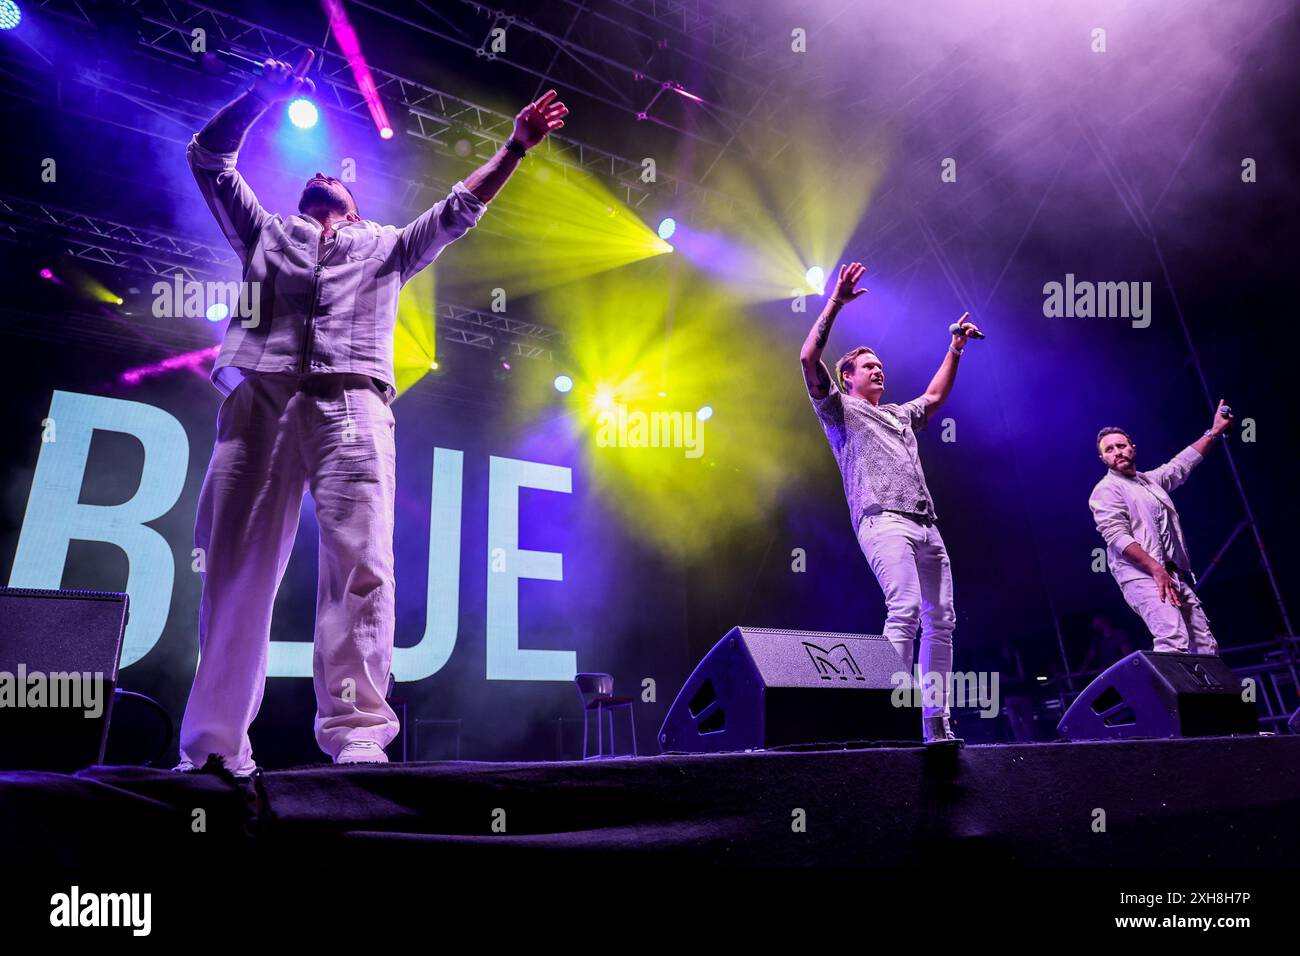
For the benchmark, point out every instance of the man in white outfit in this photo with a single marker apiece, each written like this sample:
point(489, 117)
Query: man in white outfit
point(308, 387)
point(1144, 538)
point(892, 511)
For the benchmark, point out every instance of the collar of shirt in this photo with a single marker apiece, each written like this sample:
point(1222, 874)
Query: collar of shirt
point(325, 237)
point(880, 411)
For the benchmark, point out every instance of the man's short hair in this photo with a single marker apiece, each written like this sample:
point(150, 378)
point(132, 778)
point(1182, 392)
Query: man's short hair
point(1111, 430)
point(846, 363)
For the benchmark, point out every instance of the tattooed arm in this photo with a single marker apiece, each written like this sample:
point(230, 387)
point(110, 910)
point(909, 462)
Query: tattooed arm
point(815, 375)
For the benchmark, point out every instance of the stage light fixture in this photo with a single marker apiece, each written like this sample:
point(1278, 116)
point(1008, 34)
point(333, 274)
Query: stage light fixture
point(705, 413)
point(47, 274)
point(667, 226)
point(563, 383)
point(433, 366)
point(303, 113)
point(10, 15)
point(386, 133)
point(816, 279)
point(218, 311)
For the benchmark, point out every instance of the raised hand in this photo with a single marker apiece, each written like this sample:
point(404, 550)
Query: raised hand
point(847, 279)
point(964, 329)
point(539, 119)
point(1222, 418)
point(280, 81)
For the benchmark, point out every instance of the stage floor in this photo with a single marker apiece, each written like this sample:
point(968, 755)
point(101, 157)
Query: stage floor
point(1221, 802)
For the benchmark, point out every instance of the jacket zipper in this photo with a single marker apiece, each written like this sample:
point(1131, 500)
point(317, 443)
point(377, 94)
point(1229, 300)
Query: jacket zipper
point(311, 313)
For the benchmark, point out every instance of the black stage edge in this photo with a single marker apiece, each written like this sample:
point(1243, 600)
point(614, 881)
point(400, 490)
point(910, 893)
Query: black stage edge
point(973, 824)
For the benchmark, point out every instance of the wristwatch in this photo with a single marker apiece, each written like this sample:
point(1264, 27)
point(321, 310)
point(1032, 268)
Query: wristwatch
point(517, 148)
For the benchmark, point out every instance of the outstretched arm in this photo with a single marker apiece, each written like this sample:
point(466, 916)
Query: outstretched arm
point(225, 132)
point(448, 219)
point(941, 385)
point(815, 375)
point(213, 152)
point(1175, 471)
point(1222, 422)
point(533, 124)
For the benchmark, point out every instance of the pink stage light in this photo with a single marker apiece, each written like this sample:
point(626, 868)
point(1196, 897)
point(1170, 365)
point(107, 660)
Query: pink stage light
point(187, 360)
point(679, 89)
point(350, 46)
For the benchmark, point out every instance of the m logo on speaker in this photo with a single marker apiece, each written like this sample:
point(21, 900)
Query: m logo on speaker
point(836, 662)
point(1202, 677)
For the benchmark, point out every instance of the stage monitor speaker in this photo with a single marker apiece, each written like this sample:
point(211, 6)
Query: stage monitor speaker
point(1148, 694)
point(759, 688)
point(51, 716)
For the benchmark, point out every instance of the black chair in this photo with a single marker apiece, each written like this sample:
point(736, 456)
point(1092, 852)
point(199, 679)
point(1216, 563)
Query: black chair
point(597, 694)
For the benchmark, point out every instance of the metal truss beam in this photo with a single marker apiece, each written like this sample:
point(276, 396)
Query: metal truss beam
point(161, 255)
point(167, 27)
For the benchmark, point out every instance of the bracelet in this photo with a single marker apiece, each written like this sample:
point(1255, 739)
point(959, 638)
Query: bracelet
point(1209, 433)
point(516, 148)
point(955, 351)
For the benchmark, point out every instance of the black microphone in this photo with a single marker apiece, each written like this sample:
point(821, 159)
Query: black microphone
point(955, 329)
point(245, 64)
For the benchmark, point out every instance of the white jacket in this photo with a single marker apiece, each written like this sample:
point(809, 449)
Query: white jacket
point(1125, 512)
point(319, 312)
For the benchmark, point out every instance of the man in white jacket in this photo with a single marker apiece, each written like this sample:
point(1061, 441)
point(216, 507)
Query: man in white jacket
point(308, 388)
point(1144, 539)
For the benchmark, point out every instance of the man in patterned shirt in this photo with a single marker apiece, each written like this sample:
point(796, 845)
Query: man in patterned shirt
point(889, 503)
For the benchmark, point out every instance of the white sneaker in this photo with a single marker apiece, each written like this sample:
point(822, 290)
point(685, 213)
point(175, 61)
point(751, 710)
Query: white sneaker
point(937, 731)
point(361, 751)
point(187, 766)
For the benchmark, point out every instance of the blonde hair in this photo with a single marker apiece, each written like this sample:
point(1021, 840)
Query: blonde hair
point(846, 363)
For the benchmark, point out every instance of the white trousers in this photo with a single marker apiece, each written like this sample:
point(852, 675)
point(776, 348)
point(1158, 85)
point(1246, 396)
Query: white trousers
point(1178, 630)
point(280, 435)
point(911, 564)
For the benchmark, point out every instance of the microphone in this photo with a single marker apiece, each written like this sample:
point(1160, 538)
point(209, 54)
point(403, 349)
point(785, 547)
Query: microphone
point(1225, 411)
point(955, 329)
point(245, 64)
